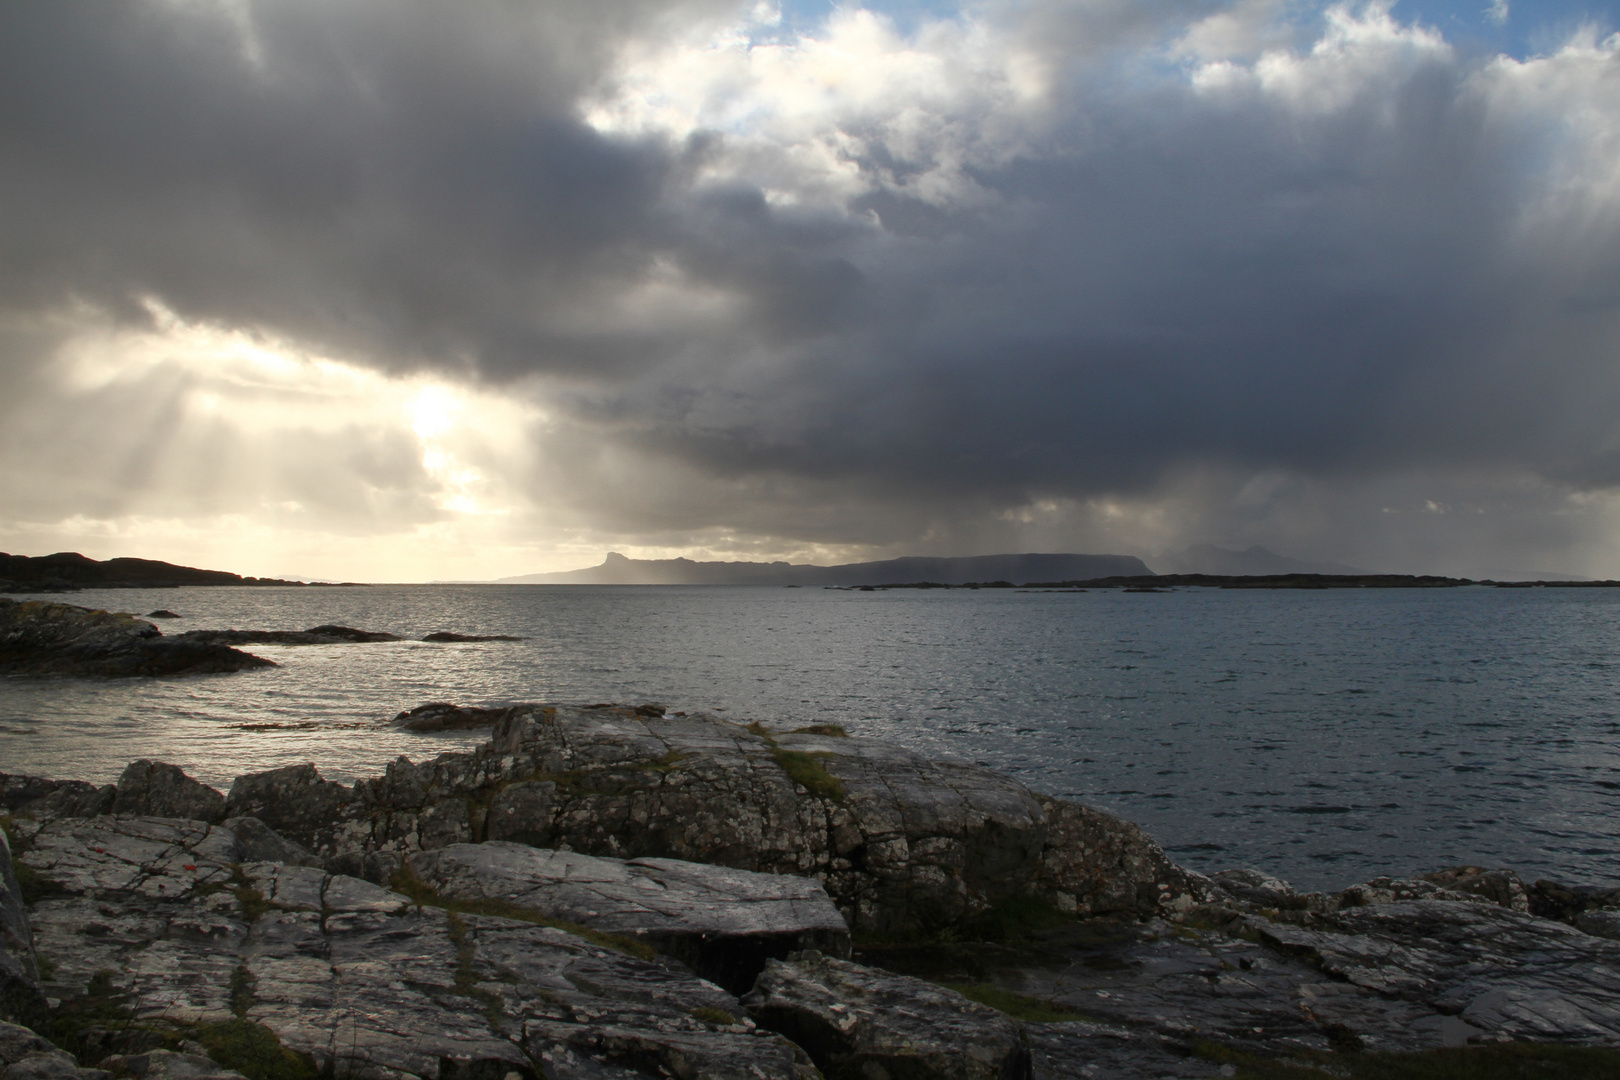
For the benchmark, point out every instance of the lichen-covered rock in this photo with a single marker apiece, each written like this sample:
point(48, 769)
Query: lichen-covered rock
point(42, 638)
point(358, 978)
point(158, 789)
point(724, 923)
point(857, 1022)
point(902, 844)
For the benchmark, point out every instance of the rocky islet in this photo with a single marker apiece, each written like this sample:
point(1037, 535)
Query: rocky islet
point(617, 892)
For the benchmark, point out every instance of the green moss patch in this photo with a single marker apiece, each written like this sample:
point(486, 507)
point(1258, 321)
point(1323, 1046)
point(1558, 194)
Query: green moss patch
point(1017, 1006)
point(806, 770)
point(253, 1050)
point(1501, 1061)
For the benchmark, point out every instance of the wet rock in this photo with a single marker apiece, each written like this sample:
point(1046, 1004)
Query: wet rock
point(358, 978)
point(261, 843)
point(325, 634)
point(41, 638)
point(1503, 888)
point(857, 1022)
point(1601, 923)
point(157, 789)
point(41, 799)
point(161, 613)
point(902, 844)
point(20, 998)
point(447, 636)
point(444, 716)
point(723, 923)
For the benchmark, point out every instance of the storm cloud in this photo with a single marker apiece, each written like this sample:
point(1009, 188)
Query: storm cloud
point(1068, 276)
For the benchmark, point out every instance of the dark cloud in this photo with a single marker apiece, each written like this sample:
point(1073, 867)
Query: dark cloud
point(1363, 264)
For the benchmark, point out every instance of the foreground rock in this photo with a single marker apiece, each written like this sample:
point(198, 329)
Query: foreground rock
point(723, 923)
point(902, 844)
point(159, 922)
point(41, 638)
point(858, 1023)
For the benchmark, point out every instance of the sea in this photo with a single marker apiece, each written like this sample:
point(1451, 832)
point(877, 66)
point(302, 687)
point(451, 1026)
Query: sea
point(1325, 737)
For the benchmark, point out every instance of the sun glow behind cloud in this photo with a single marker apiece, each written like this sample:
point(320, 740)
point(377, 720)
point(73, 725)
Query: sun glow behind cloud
point(495, 291)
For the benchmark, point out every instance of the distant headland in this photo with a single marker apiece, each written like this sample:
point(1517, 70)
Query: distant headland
point(616, 569)
point(68, 571)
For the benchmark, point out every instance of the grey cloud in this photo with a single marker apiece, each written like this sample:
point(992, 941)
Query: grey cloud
point(1158, 284)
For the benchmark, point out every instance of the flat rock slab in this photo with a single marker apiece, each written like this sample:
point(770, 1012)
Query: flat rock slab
point(359, 978)
point(723, 922)
point(858, 1022)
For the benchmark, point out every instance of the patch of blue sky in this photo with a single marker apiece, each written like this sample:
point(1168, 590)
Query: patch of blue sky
point(1519, 28)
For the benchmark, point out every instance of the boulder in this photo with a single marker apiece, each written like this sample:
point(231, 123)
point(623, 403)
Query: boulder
point(359, 979)
point(903, 844)
point(723, 923)
point(261, 843)
point(157, 789)
point(42, 638)
point(857, 1022)
point(41, 799)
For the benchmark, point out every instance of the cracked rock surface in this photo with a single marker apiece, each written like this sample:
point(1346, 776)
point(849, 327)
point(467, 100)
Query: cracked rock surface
point(724, 923)
point(354, 975)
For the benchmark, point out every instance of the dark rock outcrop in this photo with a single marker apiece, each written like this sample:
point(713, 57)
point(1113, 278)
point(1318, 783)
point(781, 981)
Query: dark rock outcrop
point(20, 998)
point(856, 1022)
point(325, 634)
point(903, 844)
point(448, 636)
point(41, 638)
point(444, 716)
point(157, 789)
point(723, 923)
point(261, 843)
point(44, 799)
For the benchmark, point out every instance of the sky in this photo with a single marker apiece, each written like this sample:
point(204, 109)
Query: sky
point(381, 292)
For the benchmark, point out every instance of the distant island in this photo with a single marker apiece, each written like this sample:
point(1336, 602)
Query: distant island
point(68, 571)
point(616, 569)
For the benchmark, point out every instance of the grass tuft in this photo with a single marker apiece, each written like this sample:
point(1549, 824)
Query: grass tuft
point(253, 1050)
point(835, 731)
point(709, 1014)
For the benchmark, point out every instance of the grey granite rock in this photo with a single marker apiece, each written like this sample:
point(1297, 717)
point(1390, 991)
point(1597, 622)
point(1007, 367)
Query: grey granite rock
point(724, 923)
point(901, 843)
point(158, 789)
point(20, 998)
point(261, 843)
point(858, 1022)
point(358, 978)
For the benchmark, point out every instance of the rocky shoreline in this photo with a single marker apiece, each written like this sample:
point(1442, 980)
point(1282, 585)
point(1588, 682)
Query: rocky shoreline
point(617, 892)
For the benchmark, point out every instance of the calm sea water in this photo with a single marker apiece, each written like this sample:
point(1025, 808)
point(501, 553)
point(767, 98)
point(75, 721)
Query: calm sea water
point(1323, 736)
